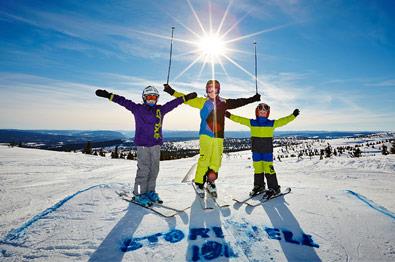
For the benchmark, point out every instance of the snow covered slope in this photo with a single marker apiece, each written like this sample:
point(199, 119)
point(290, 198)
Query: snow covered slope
point(62, 206)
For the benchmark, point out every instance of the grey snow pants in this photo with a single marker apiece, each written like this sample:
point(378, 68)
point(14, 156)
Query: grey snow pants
point(148, 159)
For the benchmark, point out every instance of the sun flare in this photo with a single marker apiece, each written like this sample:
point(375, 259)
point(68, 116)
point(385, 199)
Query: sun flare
point(211, 47)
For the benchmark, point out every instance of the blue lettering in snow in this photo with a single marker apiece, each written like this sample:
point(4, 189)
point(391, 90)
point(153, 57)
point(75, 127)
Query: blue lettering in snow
point(131, 244)
point(195, 232)
point(308, 241)
point(288, 237)
point(275, 233)
point(211, 249)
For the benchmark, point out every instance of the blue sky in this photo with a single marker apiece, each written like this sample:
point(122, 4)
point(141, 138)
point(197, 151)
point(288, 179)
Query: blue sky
point(334, 60)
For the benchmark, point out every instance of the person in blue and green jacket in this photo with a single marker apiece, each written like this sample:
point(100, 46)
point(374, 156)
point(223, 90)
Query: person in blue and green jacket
point(211, 133)
point(148, 138)
point(262, 131)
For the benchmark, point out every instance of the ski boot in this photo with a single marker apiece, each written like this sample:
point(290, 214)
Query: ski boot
point(142, 200)
point(199, 190)
point(257, 190)
point(212, 189)
point(272, 192)
point(154, 197)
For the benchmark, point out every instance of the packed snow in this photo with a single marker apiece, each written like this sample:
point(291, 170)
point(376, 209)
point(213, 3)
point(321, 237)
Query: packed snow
point(58, 206)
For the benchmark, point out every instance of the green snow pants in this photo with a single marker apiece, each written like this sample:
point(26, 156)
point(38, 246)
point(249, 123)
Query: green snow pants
point(211, 149)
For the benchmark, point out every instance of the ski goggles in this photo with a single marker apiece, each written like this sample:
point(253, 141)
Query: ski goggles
point(151, 97)
point(263, 107)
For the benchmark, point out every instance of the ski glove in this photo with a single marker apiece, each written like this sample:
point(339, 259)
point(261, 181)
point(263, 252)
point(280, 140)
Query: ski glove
point(168, 89)
point(296, 112)
point(189, 96)
point(227, 114)
point(103, 93)
point(256, 98)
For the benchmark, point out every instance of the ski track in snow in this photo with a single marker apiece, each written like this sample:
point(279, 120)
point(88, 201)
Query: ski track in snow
point(18, 232)
point(371, 204)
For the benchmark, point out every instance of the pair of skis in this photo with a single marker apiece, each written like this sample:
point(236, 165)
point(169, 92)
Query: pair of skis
point(261, 198)
point(210, 200)
point(158, 208)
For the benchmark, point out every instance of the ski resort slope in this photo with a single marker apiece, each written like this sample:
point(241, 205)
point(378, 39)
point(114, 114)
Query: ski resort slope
point(58, 206)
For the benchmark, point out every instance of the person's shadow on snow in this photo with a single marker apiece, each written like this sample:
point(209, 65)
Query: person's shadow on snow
point(295, 243)
point(112, 247)
point(205, 239)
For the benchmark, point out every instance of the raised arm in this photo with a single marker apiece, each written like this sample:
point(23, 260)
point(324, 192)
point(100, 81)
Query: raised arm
point(238, 119)
point(285, 120)
point(128, 104)
point(196, 102)
point(176, 102)
point(239, 102)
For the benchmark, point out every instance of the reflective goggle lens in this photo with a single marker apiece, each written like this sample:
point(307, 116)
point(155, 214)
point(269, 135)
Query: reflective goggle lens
point(151, 97)
point(264, 107)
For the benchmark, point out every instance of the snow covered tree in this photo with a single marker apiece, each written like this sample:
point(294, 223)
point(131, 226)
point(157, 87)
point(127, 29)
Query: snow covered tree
point(88, 148)
point(101, 153)
point(384, 150)
point(322, 154)
point(339, 150)
point(130, 156)
point(115, 153)
point(328, 151)
point(300, 155)
point(393, 147)
point(357, 152)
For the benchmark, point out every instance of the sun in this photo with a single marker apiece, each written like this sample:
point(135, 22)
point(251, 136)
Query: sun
point(211, 47)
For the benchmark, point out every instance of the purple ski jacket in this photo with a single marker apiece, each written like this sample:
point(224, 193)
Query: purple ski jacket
point(148, 119)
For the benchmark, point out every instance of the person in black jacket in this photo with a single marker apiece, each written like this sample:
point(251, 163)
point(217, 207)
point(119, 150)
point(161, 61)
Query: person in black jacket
point(211, 134)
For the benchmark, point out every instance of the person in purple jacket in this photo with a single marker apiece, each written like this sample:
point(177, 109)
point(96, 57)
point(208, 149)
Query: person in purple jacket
point(148, 138)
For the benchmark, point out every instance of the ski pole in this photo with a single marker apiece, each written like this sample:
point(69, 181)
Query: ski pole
point(256, 70)
point(171, 52)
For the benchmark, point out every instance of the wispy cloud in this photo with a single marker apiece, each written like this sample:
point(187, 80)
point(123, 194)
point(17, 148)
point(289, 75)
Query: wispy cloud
point(27, 89)
point(30, 101)
point(383, 83)
point(92, 33)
